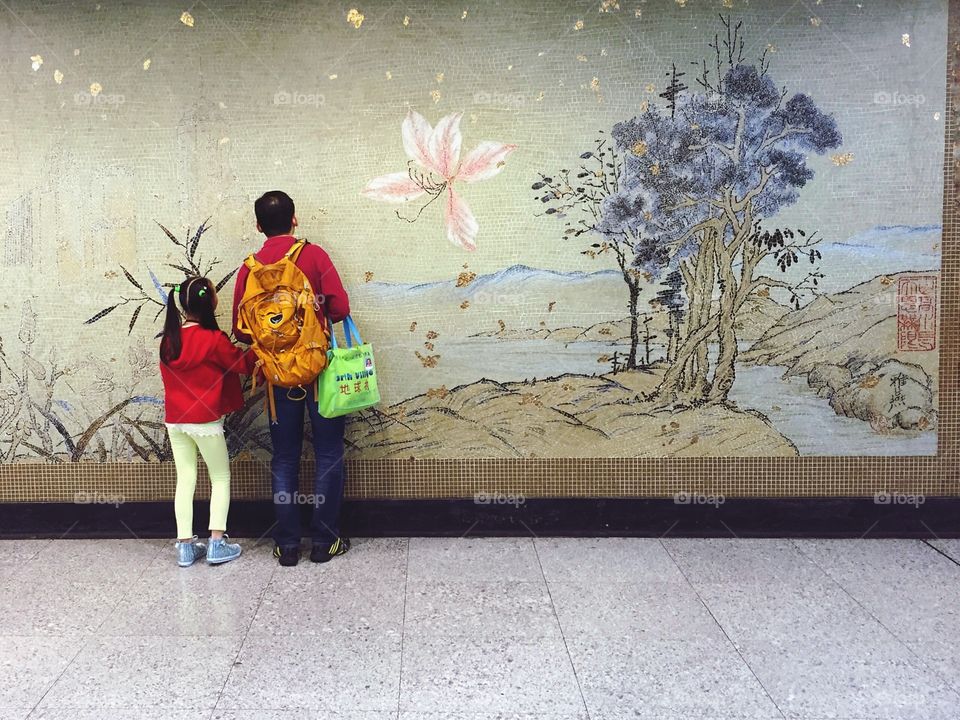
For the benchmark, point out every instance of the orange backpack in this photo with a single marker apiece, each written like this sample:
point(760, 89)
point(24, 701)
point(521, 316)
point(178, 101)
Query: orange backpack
point(277, 311)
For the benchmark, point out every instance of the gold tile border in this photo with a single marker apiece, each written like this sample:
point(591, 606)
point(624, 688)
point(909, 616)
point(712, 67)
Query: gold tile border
point(583, 477)
point(598, 477)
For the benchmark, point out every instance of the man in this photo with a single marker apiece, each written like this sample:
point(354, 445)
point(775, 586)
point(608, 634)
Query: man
point(277, 219)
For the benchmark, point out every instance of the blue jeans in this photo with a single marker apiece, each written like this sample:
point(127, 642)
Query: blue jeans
point(327, 496)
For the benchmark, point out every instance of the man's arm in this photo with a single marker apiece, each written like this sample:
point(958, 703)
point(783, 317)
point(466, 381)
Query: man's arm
point(238, 291)
point(326, 281)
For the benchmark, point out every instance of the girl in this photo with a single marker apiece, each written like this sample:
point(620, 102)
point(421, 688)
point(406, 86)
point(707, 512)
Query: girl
point(199, 366)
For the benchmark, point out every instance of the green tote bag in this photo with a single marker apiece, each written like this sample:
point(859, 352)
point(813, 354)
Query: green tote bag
point(349, 382)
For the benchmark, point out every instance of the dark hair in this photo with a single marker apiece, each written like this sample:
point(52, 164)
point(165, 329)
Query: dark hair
point(196, 299)
point(274, 212)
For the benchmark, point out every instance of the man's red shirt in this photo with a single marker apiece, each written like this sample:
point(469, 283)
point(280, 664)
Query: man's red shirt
point(314, 262)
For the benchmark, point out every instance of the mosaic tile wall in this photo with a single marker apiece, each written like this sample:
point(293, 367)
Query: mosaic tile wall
point(601, 249)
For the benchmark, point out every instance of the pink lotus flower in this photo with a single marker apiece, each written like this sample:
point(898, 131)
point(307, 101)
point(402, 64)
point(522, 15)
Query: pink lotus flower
point(433, 168)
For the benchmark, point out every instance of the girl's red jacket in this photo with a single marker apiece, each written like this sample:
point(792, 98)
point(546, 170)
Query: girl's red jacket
point(203, 384)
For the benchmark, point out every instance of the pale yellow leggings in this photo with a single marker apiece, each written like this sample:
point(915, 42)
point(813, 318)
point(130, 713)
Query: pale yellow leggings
point(213, 448)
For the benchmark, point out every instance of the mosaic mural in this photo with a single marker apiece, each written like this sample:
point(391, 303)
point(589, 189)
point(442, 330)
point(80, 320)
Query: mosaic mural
point(648, 229)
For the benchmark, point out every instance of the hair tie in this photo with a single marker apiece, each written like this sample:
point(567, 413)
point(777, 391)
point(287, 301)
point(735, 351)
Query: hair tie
point(202, 291)
point(176, 289)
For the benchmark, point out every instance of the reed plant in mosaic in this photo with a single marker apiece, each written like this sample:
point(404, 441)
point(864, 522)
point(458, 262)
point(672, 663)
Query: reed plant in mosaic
point(36, 422)
point(190, 264)
point(145, 435)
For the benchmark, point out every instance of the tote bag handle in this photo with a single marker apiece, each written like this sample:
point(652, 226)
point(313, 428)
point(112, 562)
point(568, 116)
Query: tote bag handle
point(349, 328)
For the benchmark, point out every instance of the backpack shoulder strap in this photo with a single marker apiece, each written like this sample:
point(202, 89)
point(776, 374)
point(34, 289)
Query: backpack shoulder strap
point(294, 252)
point(251, 262)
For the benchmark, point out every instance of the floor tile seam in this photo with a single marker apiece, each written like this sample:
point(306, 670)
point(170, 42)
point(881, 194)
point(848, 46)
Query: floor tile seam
point(724, 631)
point(243, 640)
point(403, 625)
point(89, 638)
point(904, 644)
point(563, 638)
point(947, 555)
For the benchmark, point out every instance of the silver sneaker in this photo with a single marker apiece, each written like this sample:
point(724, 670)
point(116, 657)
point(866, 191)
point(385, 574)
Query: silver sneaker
point(222, 551)
point(189, 552)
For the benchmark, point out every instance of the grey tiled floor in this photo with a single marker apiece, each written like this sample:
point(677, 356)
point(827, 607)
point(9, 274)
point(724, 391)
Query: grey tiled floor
point(478, 629)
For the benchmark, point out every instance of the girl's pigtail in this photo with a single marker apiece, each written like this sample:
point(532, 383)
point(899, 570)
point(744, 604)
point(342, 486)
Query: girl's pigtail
point(171, 345)
point(202, 306)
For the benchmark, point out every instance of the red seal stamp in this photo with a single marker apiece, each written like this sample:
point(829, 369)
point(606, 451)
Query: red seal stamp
point(917, 313)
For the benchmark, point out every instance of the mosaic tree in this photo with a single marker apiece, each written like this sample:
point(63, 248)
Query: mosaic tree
point(578, 197)
point(670, 299)
point(698, 179)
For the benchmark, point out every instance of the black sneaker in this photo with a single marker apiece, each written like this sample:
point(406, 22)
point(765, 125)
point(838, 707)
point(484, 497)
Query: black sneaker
point(326, 553)
point(288, 556)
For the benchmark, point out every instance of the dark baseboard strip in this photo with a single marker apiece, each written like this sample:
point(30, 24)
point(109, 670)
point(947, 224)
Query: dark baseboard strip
point(578, 517)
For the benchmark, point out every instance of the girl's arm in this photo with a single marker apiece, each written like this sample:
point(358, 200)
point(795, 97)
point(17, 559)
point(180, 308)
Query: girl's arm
point(238, 291)
point(231, 358)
